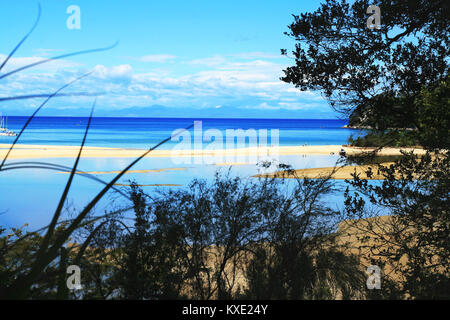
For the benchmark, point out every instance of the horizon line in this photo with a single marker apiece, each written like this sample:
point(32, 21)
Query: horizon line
point(135, 117)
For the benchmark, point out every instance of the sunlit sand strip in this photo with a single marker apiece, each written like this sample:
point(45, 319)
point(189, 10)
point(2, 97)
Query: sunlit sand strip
point(223, 164)
point(341, 173)
point(150, 185)
point(32, 151)
point(129, 171)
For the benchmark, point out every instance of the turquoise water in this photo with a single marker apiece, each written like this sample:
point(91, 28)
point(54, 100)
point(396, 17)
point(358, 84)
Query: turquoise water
point(31, 195)
point(145, 132)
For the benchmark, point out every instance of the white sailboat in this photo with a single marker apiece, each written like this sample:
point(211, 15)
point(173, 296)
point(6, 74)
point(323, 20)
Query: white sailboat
point(2, 123)
point(4, 131)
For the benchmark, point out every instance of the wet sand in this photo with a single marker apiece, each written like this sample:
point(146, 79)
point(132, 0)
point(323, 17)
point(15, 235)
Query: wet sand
point(341, 173)
point(44, 151)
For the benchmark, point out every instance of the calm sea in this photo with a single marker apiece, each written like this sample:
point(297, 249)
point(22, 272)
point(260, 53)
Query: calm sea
point(31, 195)
point(145, 132)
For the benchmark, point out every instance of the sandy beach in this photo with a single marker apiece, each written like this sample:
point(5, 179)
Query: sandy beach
point(341, 173)
point(21, 151)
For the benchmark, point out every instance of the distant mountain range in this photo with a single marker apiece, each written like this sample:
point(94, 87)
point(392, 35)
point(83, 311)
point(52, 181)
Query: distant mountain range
point(169, 112)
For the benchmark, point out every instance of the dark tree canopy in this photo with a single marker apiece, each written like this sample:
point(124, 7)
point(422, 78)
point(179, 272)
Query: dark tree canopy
point(376, 75)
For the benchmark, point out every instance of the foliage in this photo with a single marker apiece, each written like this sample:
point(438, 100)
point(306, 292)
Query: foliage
point(414, 241)
point(24, 276)
point(392, 81)
point(16, 257)
point(434, 116)
point(376, 77)
point(215, 241)
point(433, 123)
point(387, 138)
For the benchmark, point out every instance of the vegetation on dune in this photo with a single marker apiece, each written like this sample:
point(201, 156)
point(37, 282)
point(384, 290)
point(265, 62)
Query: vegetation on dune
point(413, 245)
point(228, 239)
point(394, 83)
point(432, 128)
point(389, 138)
point(23, 276)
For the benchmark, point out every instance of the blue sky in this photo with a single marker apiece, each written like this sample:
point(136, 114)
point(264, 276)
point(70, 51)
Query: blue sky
point(188, 57)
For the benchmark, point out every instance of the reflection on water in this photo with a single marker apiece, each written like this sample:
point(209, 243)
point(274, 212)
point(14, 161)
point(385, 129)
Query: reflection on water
point(31, 195)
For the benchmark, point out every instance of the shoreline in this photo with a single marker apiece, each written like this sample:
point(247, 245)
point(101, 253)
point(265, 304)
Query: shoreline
point(22, 151)
point(341, 173)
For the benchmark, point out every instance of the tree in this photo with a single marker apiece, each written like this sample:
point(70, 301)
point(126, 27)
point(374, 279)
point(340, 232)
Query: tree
point(393, 80)
point(16, 257)
point(434, 116)
point(227, 239)
point(375, 76)
point(404, 223)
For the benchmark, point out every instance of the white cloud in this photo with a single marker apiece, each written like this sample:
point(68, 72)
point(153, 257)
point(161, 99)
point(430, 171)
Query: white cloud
point(159, 58)
point(123, 71)
point(51, 66)
point(214, 82)
point(210, 61)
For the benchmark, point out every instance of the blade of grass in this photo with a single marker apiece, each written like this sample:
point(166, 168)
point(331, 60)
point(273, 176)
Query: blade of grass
point(68, 221)
point(19, 287)
point(45, 95)
point(36, 111)
point(85, 244)
point(42, 255)
point(63, 198)
point(57, 58)
point(56, 167)
point(89, 207)
point(22, 284)
point(24, 38)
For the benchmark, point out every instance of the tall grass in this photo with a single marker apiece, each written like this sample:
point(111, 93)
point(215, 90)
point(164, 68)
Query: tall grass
point(57, 233)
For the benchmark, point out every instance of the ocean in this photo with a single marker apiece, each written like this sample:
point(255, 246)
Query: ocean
point(31, 195)
point(145, 132)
